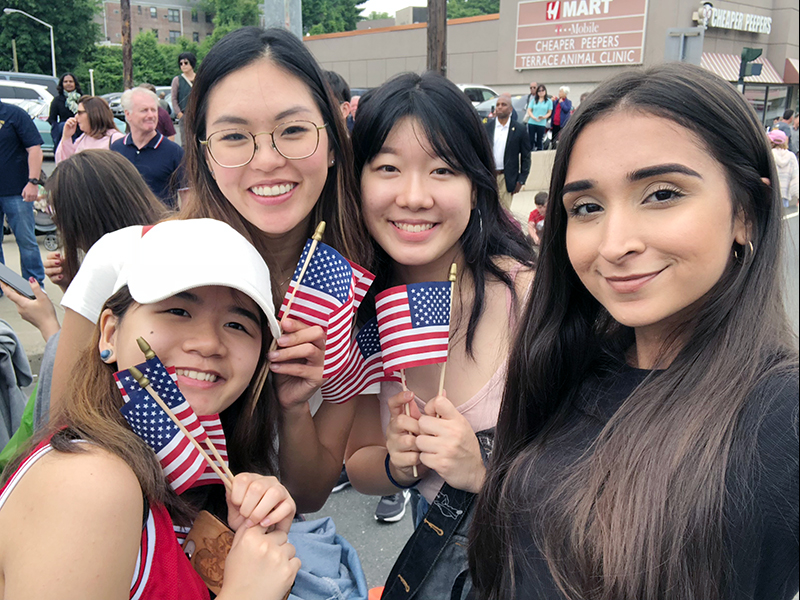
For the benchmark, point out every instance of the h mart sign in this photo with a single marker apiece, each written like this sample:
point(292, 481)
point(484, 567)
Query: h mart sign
point(579, 33)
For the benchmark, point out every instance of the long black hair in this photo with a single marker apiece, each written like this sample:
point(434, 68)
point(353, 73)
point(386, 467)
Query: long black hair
point(458, 137)
point(60, 86)
point(337, 205)
point(614, 527)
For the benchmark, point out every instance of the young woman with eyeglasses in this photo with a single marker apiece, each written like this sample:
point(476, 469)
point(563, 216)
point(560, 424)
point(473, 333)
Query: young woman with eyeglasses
point(268, 153)
point(647, 445)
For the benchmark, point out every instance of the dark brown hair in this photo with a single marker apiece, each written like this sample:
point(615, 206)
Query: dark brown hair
point(101, 119)
point(642, 511)
point(337, 205)
point(91, 412)
point(93, 193)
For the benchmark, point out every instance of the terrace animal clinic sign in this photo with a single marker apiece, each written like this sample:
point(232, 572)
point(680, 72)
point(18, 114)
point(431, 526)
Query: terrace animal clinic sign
point(579, 33)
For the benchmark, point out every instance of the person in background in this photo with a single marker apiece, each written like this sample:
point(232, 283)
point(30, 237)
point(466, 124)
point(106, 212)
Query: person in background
point(64, 105)
point(155, 157)
point(20, 168)
point(182, 87)
point(784, 124)
point(351, 118)
point(786, 164)
point(341, 91)
point(536, 218)
point(165, 126)
point(162, 102)
point(562, 109)
point(525, 119)
point(794, 137)
point(539, 110)
point(647, 445)
point(94, 118)
point(512, 151)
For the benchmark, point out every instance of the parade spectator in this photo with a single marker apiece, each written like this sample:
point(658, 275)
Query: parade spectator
point(20, 168)
point(64, 105)
point(182, 87)
point(525, 119)
point(536, 218)
point(784, 124)
point(562, 109)
point(341, 91)
point(96, 485)
point(647, 447)
point(154, 156)
point(512, 151)
point(351, 118)
point(94, 118)
point(429, 197)
point(245, 86)
point(539, 110)
point(165, 126)
point(163, 103)
point(786, 164)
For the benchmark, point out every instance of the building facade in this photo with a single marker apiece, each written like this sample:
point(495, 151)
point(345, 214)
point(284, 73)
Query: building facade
point(168, 20)
point(579, 43)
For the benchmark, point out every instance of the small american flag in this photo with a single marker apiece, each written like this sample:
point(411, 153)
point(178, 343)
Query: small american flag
point(182, 468)
point(329, 294)
point(364, 369)
point(414, 324)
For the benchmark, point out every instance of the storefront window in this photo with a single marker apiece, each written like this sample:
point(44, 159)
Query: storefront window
point(769, 101)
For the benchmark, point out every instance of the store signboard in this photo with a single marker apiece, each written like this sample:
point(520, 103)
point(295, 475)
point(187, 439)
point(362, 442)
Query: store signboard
point(579, 33)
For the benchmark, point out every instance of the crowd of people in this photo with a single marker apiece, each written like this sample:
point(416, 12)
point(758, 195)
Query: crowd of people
point(618, 418)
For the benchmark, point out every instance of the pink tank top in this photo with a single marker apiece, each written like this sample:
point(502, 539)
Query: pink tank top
point(480, 411)
point(162, 570)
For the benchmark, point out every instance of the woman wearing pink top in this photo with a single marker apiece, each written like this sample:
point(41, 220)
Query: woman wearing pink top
point(97, 121)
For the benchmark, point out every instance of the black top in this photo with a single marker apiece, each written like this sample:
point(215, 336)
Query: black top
point(17, 134)
point(761, 511)
point(59, 111)
point(158, 162)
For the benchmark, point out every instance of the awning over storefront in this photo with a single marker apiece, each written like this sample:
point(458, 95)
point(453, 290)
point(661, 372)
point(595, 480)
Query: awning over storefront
point(727, 67)
point(790, 71)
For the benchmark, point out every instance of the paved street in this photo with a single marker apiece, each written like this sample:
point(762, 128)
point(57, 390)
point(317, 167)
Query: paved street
point(377, 544)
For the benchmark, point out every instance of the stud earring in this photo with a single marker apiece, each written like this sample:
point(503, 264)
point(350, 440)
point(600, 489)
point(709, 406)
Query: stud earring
point(105, 355)
point(333, 161)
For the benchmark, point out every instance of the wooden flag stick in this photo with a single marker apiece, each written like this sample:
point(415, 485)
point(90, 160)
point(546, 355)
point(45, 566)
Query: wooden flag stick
point(145, 383)
point(148, 354)
point(315, 240)
point(452, 279)
point(407, 408)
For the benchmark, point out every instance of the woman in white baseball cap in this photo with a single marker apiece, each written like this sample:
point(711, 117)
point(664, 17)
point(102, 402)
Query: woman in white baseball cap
point(201, 296)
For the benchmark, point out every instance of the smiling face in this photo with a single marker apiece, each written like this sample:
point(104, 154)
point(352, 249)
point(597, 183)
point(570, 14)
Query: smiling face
point(415, 206)
point(649, 230)
point(68, 83)
point(143, 114)
point(273, 193)
point(211, 335)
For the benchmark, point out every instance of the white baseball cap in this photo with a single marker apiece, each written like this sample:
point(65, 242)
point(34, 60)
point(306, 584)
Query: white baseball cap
point(176, 256)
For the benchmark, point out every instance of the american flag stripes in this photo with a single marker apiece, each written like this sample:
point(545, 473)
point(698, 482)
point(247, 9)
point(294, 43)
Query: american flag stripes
point(328, 295)
point(414, 324)
point(363, 371)
point(183, 464)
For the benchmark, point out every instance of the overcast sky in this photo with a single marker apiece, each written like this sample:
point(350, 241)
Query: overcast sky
point(389, 6)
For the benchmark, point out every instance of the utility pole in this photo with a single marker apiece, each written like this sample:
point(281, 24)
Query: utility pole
point(437, 36)
point(14, 54)
point(127, 47)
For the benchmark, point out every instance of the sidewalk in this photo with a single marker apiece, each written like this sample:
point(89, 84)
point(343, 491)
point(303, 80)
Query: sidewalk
point(29, 336)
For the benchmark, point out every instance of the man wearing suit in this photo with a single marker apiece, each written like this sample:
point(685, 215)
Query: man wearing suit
point(512, 150)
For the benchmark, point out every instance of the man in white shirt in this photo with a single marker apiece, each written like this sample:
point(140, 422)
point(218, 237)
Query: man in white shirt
point(512, 150)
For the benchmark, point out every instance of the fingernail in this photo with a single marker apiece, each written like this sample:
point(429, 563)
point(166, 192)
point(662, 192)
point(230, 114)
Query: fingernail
point(266, 523)
point(31, 280)
point(408, 395)
point(274, 355)
point(248, 523)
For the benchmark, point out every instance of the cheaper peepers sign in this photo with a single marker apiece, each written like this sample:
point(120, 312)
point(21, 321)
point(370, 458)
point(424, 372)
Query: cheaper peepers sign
point(579, 33)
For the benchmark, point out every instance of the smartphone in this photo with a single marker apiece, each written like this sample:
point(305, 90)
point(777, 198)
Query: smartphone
point(16, 282)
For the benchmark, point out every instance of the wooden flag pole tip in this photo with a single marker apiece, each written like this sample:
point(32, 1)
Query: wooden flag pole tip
point(319, 231)
point(145, 347)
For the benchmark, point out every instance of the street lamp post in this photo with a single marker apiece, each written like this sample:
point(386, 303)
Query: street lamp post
point(8, 11)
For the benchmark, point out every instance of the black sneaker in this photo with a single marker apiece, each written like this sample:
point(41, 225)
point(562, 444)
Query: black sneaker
point(392, 508)
point(342, 482)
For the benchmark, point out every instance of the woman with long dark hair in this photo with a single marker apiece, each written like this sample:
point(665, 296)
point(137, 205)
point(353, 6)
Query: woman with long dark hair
point(429, 198)
point(266, 152)
point(647, 446)
point(64, 105)
point(539, 111)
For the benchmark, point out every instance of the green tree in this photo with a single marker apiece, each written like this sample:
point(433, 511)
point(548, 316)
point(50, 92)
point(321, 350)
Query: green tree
point(149, 64)
point(107, 64)
point(232, 13)
point(457, 9)
point(376, 16)
point(329, 16)
point(170, 52)
point(73, 29)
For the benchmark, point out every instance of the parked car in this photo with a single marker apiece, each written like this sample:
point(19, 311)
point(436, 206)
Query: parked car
point(477, 93)
point(48, 81)
point(486, 108)
point(15, 92)
point(114, 104)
